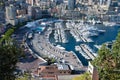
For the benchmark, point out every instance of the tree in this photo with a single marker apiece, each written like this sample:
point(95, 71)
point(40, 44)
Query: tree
point(108, 61)
point(10, 53)
point(25, 77)
point(85, 76)
point(116, 51)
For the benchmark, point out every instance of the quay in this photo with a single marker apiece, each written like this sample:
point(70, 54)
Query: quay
point(41, 44)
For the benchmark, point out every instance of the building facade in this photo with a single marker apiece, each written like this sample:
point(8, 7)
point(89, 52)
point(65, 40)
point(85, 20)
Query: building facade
point(93, 71)
point(71, 4)
point(11, 15)
point(53, 70)
point(10, 12)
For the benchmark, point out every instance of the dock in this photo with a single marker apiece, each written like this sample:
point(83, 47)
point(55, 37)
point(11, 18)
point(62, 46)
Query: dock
point(87, 51)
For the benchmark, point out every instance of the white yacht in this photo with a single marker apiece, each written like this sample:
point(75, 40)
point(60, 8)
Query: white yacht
point(101, 31)
point(78, 48)
point(60, 47)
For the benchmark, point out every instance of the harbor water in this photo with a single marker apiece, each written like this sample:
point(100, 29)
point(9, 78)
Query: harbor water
point(109, 35)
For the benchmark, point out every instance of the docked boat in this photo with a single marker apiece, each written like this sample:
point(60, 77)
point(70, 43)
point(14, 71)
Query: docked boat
point(60, 47)
point(101, 31)
point(78, 48)
point(90, 34)
point(88, 51)
point(98, 46)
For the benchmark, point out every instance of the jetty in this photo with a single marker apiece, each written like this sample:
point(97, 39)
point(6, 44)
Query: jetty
point(87, 51)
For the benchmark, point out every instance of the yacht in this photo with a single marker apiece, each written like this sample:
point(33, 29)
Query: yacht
point(90, 34)
point(78, 48)
point(60, 47)
point(98, 46)
point(101, 31)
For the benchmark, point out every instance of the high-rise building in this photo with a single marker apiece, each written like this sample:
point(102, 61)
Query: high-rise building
point(31, 2)
point(30, 9)
point(10, 12)
point(71, 4)
point(34, 12)
point(105, 2)
point(11, 15)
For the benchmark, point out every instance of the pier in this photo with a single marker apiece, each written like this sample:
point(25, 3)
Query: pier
point(77, 31)
point(87, 51)
point(59, 33)
point(78, 48)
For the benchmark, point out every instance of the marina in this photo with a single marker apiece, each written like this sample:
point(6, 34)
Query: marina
point(103, 32)
point(75, 35)
point(41, 45)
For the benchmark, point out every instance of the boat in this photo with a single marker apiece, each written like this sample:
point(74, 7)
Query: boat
point(60, 47)
point(101, 31)
point(109, 23)
point(88, 51)
point(78, 48)
point(98, 22)
point(98, 46)
point(90, 34)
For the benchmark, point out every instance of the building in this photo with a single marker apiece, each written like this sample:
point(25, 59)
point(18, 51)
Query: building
point(11, 15)
point(44, 4)
point(34, 12)
point(2, 16)
point(21, 11)
point(31, 2)
point(93, 71)
point(2, 28)
point(10, 12)
point(71, 4)
point(30, 11)
point(68, 14)
point(53, 70)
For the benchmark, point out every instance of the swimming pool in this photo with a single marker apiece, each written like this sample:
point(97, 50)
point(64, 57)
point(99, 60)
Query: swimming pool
point(38, 29)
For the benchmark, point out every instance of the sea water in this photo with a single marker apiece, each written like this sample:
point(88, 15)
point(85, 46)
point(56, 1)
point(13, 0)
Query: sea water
point(109, 35)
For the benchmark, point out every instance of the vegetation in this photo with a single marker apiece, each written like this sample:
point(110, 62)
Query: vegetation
point(50, 60)
point(85, 76)
point(10, 31)
point(108, 61)
point(9, 55)
point(7, 35)
point(26, 76)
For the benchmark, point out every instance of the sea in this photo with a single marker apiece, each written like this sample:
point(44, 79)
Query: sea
point(108, 36)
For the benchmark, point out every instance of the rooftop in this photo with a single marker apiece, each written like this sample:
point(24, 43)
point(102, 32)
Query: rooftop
point(63, 67)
